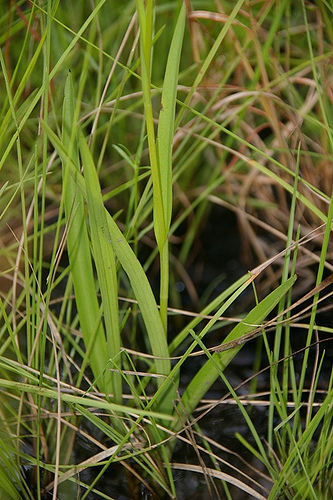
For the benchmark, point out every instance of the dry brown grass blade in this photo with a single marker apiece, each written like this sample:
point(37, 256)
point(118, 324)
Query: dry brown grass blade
point(247, 471)
point(98, 457)
point(221, 476)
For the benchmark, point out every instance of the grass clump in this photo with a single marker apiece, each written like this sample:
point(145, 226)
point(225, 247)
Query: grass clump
point(124, 132)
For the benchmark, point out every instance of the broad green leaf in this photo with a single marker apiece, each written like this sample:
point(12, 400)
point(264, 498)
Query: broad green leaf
point(207, 375)
point(105, 264)
point(139, 283)
point(78, 246)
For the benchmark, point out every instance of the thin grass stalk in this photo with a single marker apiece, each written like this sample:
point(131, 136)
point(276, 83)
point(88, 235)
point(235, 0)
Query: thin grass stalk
point(303, 443)
point(39, 93)
point(53, 363)
point(210, 57)
point(42, 332)
point(328, 219)
point(274, 357)
point(292, 373)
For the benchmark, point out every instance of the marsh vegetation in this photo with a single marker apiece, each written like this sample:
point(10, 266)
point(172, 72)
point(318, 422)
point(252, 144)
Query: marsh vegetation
point(165, 255)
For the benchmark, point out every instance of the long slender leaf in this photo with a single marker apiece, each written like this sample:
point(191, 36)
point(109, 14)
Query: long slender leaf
point(145, 15)
point(137, 277)
point(79, 249)
point(80, 400)
point(165, 131)
point(207, 375)
point(105, 263)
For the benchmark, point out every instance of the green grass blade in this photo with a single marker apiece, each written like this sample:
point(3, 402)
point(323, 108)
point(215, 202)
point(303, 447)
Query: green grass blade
point(165, 131)
point(146, 36)
point(86, 401)
point(79, 249)
point(58, 65)
point(105, 262)
point(137, 277)
point(7, 488)
point(160, 150)
point(165, 135)
point(207, 375)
